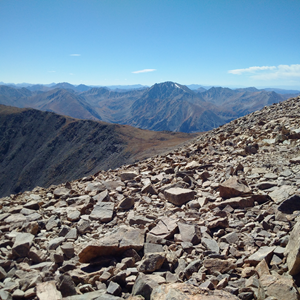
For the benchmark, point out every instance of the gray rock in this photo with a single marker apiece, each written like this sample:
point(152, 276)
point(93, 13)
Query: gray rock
point(113, 244)
point(192, 267)
point(103, 212)
point(144, 286)
point(189, 233)
point(210, 245)
point(152, 248)
point(128, 175)
point(165, 228)
point(95, 186)
point(264, 252)
point(54, 243)
point(22, 244)
point(265, 185)
point(126, 203)
point(151, 262)
point(66, 286)
point(282, 193)
point(292, 251)
point(230, 238)
point(114, 289)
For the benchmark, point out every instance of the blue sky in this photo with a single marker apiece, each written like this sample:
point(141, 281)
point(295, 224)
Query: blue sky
point(123, 42)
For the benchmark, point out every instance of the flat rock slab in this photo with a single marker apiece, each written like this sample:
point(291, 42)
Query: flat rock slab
point(165, 228)
point(129, 175)
point(103, 212)
point(262, 253)
point(233, 188)
point(282, 193)
point(114, 244)
point(47, 290)
point(236, 202)
point(211, 245)
point(95, 186)
point(265, 185)
point(96, 295)
point(179, 196)
point(180, 291)
point(61, 191)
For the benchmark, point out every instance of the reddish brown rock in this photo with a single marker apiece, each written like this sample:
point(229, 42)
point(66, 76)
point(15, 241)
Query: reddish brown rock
point(233, 188)
point(117, 243)
point(180, 291)
point(179, 196)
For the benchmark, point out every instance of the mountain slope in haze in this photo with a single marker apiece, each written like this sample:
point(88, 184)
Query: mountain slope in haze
point(164, 106)
point(64, 102)
point(171, 106)
point(42, 148)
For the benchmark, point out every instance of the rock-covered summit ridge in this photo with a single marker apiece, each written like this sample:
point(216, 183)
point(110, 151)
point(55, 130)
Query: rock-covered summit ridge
point(217, 219)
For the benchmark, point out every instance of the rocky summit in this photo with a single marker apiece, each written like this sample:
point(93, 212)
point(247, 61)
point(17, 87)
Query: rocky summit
point(218, 218)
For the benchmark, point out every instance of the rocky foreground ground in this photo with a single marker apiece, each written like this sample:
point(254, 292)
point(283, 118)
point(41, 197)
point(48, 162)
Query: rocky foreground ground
point(217, 219)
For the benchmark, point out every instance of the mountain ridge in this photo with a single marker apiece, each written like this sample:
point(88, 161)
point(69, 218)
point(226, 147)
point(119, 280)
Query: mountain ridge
point(164, 106)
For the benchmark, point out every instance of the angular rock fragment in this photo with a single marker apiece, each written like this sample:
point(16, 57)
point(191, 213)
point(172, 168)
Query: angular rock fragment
point(180, 291)
point(144, 286)
point(219, 265)
point(151, 262)
point(47, 290)
point(165, 228)
point(264, 252)
point(113, 244)
point(189, 233)
point(233, 188)
point(128, 175)
point(292, 251)
point(103, 212)
point(179, 196)
point(22, 244)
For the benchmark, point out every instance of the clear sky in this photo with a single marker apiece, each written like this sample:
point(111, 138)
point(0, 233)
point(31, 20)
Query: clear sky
point(123, 42)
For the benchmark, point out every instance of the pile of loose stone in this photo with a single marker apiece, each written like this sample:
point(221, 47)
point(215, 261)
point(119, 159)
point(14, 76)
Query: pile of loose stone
point(216, 219)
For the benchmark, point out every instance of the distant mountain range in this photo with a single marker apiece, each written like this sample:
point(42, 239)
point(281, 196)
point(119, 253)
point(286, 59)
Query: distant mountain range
point(42, 148)
point(165, 106)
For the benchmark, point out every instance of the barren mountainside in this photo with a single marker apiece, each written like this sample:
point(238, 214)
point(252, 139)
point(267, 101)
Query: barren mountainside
point(42, 148)
point(216, 218)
